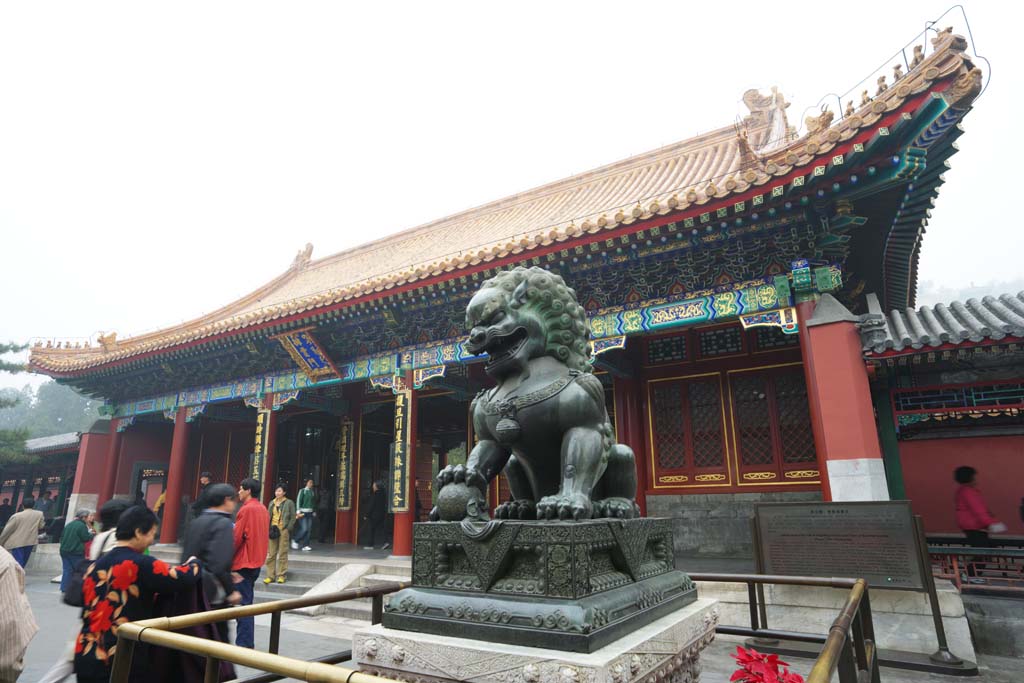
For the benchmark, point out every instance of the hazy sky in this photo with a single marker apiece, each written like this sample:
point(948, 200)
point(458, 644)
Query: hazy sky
point(158, 160)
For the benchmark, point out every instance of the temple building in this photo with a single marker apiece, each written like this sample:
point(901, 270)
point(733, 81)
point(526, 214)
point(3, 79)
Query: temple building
point(750, 297)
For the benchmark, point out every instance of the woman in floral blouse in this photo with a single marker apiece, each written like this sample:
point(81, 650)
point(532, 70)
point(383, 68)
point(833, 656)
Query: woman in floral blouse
point(119, 587)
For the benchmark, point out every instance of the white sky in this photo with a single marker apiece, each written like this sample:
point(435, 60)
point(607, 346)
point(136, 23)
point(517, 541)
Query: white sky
point(158, 160)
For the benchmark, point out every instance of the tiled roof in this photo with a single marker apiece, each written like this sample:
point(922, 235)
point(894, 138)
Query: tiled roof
point(975, 320)
point(57, 442)
point(700, 171)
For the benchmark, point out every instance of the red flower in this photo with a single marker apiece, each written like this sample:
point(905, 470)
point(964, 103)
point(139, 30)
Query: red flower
point(756, 667)
point(99, 618)
point(125, 574)
point(89, 590)
point(160, 567)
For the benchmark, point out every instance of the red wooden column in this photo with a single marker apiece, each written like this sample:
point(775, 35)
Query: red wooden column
point(628, 431)
point(110, 464)
point(402, 537)
point(175, 478)
point(842, 415)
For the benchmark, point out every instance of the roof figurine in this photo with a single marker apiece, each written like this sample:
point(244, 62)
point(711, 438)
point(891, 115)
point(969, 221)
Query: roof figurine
point(918, 56)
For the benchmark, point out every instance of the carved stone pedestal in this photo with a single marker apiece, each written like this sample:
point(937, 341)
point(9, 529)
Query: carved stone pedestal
point(572, 586)
point(666, 650)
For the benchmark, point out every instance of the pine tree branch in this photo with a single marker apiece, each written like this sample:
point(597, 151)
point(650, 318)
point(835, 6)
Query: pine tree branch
point(11, 347)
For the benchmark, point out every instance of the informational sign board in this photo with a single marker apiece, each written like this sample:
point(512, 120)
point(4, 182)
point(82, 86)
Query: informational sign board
point(875, 540)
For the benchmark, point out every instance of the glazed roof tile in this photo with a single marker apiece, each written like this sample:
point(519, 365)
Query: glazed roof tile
point(56, 442)
point(974, 320)
point(700, 171)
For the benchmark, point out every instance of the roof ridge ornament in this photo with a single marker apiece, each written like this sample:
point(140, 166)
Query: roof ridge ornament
point(108, 341)
point(303, 257)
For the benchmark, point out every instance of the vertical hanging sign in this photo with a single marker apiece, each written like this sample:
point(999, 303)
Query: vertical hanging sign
point(398, 498)
point(259, 454)
point(345, 465)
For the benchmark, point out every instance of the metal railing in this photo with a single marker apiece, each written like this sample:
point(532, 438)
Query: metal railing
point(160, 632)
point(982, 570)
point(849, 647)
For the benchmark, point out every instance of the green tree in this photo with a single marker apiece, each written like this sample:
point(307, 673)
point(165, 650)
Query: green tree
point(12, 441)
point(11, 366)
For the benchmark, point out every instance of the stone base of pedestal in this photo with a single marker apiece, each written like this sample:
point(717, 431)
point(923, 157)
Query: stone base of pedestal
point(664, 650)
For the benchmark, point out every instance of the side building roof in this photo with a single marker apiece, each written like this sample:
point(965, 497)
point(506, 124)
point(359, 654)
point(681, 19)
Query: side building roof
point(56, 442)
point(911, 329)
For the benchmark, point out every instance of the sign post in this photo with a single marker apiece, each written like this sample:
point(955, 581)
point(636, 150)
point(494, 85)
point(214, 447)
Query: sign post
point(881, 542)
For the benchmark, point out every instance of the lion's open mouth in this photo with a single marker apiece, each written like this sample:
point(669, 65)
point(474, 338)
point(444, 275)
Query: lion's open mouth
point(501, 348)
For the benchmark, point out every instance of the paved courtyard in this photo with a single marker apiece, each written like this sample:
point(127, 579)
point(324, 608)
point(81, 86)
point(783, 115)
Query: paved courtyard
point(308, 638)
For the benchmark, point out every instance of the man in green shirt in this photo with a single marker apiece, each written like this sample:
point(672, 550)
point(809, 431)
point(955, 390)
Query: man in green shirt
point(305, 503)
point(72, 544)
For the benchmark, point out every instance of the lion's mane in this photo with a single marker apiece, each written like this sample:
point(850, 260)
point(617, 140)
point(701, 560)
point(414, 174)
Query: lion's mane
point(567, 331)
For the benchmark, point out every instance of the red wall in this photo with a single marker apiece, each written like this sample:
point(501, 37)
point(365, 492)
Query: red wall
point(92, 454)
point(141, 443)
point(928, 466)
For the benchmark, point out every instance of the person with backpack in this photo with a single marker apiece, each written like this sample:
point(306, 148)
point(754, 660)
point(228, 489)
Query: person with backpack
point(72, 544)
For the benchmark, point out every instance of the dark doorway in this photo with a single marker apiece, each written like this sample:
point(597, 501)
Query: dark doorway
point(377, 432)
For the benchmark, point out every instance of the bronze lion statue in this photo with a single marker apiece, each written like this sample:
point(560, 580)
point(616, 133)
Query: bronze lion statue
point(545, 422)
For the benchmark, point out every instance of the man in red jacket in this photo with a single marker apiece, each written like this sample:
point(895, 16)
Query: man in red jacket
point(972, 514)
point(252, 529)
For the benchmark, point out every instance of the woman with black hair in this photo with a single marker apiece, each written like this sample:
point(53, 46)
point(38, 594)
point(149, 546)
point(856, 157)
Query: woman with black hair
point(972, 514)
point(120, 587)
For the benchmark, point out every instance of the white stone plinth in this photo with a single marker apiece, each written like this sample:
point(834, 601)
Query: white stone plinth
point(857, 479)
point(666, 650)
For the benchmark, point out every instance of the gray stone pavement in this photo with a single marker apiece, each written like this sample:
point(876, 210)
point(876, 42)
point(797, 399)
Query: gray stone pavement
point(308, 638)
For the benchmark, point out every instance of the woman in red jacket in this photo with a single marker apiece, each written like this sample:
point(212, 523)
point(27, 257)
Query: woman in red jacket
point(972, 515)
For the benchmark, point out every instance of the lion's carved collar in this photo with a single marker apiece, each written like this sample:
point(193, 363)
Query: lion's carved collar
point(516, 403)
point(508, 429)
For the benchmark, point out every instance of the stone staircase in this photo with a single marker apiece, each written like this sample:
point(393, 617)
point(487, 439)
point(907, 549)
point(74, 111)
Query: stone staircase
point(307, 570)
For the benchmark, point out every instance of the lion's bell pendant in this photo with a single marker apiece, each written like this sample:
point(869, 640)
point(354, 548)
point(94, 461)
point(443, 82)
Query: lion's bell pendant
point(507, 430)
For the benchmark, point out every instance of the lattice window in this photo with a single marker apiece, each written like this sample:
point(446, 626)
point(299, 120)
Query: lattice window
point(669, 432)
point(753, 419)
point(724, 341)
point(794, 418)
point(706, 424)
point(969, 397)
point(769, 338)
point(666, 350)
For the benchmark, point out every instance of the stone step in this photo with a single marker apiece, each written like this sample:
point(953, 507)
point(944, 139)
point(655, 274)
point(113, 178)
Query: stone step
point(291, 589)
point(398, 568)
point(371, 580)
point(361, 609)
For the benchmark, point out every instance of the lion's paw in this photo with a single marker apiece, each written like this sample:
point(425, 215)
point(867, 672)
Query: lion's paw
point(516, 509)
point(621, 508)
point(574, 506)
